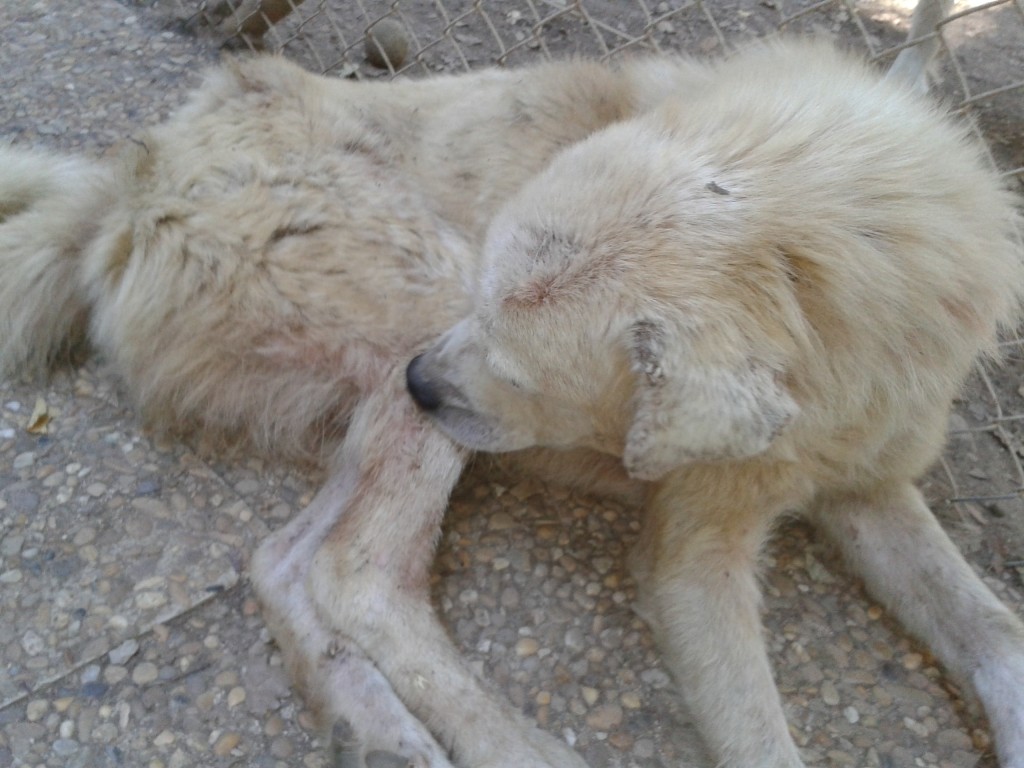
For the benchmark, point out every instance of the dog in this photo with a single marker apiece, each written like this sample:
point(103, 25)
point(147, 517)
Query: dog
point(735, 289)
point(743, 297)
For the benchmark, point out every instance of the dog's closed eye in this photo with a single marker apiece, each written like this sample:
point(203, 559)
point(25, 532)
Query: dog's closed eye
point(501, 368)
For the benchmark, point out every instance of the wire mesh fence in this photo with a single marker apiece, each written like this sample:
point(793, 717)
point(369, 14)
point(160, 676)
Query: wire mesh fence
point(979, 71)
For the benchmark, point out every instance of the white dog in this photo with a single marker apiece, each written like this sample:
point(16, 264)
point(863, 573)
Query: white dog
point(754, 285)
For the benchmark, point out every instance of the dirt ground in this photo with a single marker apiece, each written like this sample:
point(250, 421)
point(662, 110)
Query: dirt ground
point(130, 636)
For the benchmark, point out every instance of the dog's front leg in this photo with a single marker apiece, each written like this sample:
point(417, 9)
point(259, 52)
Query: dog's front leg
point(368, 580)
point(354, 703)
point(696, 569)
point(892, 540)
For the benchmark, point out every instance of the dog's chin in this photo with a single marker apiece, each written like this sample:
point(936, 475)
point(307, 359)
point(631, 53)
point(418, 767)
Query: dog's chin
point(475, 431)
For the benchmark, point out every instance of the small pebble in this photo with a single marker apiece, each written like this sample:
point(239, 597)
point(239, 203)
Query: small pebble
point(501, 521)
point(644, 748)
point(274, 726)
point(164, 739)
point(114, 674)
point(12, 544)
point(36, 709)
point(655, 678)
point(953, 738)
point(250, 485)
point(919, 729)
point(24, 460)
point(281, 748)
point(228, 741)
point(95, 689)
point(630, 700)
point(574, 640)
point(147, 601)
point(236, 696)
point(527, 646)
point(605, 717)
point(124, 651)
point(912, 661)
point(621, 740)
point(32, 643)
point(62, 704)
point(65, 747)
point(829, 693)
point(145, 673)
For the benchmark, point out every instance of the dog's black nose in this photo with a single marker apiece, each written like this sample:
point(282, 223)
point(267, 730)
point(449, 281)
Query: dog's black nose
point(419, 387)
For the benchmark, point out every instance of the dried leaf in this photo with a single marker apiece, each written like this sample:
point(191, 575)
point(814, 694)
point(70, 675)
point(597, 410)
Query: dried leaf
point(976, 513)
point(38, 422)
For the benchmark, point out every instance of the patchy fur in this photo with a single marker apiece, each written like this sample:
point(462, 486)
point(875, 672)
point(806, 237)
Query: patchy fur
point(753, 293)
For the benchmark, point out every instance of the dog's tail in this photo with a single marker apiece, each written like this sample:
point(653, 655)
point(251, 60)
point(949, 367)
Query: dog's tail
point(50, 208)
point(911, 64)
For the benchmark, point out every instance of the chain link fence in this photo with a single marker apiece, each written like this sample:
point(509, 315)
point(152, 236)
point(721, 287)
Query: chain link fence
point(980, 67)
point(979, 71)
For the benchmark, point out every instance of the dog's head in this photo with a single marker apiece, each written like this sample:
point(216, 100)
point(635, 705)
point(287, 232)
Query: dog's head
point(617, 310)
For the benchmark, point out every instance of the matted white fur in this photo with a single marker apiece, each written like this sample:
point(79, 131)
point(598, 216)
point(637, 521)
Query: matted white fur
point(755, 285)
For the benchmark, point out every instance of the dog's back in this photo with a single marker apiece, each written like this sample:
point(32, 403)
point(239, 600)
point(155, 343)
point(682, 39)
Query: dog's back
point(256, 261)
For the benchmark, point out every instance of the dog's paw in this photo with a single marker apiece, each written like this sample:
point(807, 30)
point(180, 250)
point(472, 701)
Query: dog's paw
point(409, 749)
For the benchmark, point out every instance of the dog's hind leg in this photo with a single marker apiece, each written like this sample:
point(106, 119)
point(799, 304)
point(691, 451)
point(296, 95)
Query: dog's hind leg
point(911, 64)
point(361, 559)
point(907, 561)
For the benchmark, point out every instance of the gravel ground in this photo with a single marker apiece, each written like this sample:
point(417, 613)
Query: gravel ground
point(130, 636)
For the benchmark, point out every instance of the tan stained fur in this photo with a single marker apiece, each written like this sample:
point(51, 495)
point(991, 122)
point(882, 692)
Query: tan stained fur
point(752, 294)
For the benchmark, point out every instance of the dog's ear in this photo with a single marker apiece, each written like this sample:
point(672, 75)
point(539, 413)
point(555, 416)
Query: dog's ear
point(687, 412)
